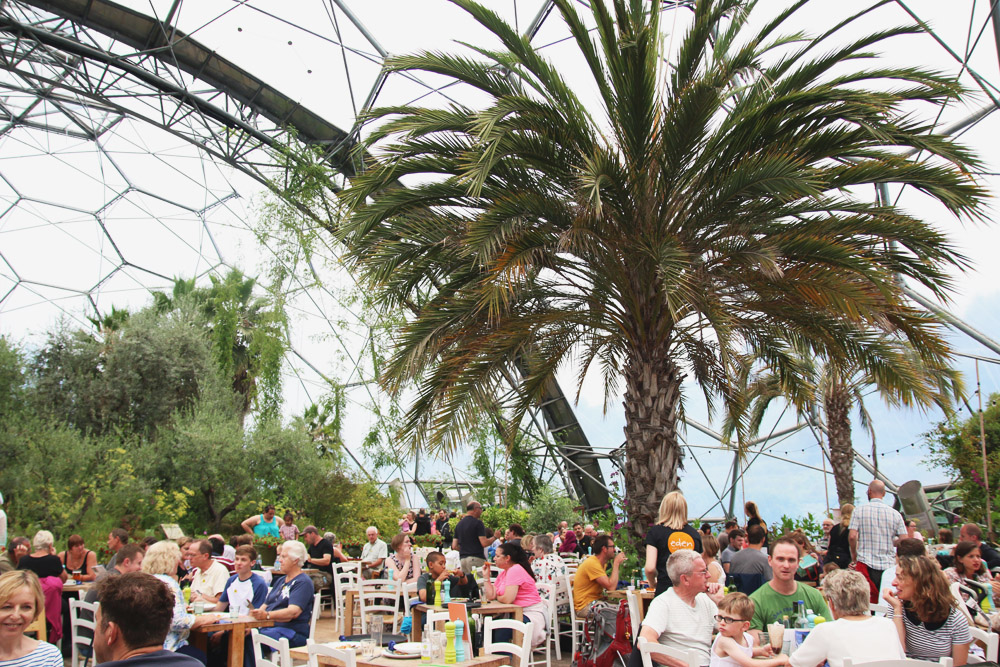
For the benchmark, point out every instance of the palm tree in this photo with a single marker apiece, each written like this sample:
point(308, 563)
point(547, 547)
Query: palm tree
point(832, 389)
point(696, 212)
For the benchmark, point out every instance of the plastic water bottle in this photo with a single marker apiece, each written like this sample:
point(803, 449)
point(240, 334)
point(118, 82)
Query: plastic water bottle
point(391, 576)
point(590, 551)
point(810, 619)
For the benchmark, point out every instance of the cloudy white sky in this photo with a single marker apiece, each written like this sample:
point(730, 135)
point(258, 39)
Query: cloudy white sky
point(312, 51)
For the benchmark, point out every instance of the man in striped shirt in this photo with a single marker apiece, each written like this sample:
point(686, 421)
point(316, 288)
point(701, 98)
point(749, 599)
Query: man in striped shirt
point(874, 530)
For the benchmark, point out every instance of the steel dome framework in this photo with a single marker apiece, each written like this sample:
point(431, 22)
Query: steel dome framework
point(129, 149)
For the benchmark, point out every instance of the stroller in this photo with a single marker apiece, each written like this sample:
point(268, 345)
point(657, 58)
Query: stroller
point(607, 637)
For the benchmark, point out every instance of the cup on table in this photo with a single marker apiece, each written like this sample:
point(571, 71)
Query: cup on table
point(368, 648)
point(776, 635)
point(198, 608)
point(375, 628)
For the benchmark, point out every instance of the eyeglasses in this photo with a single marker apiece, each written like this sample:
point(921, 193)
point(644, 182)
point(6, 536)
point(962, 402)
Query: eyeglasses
point(727, 619)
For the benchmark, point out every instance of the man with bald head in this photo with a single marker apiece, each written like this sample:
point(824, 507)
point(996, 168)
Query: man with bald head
point(472, 538)
point(874, 530)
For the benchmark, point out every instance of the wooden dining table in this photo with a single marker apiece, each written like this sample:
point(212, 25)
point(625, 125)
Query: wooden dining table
point(302, 653)
point(486, 609)
point(236, 627)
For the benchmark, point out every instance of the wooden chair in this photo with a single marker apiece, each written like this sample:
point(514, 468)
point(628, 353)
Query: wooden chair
point(379, 596)
point(276, 646)
point(520, 651)
point(315, 615)
point(76, 623)
point(315, 650)
point(648, 648)
point(38, 626)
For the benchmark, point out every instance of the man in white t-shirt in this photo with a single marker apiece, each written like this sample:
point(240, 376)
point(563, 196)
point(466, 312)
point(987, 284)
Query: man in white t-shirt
point(209, 577)
point(684, 616)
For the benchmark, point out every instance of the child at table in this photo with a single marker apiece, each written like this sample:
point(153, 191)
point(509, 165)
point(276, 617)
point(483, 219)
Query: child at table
point(734, 645)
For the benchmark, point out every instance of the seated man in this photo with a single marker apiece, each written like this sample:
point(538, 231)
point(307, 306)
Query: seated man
point(208, 579)
point(245, 590)
point(751, 562)
point(135, 614)
point(778, 596)
point(289, 604)
point(683, 617)
point(591, 577)
point(462, 585)
point(373, 554)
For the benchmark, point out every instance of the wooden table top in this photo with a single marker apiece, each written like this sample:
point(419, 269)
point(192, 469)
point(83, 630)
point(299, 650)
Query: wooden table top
point(78, 588)
point(482, 661)
point(485, 608)
point(226, 623)
point(619, 594)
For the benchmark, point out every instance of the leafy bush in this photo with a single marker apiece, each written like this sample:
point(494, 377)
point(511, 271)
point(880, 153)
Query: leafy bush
point(501, 517)
point(808, 524)
point(549, 508)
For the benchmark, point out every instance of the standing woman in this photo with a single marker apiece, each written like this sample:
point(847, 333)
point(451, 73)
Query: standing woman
point(77, 560)
point(840, 549)
point(928, 622)
point(21, 602)
point(264, 524)
point(516, 585)
point(671, 533)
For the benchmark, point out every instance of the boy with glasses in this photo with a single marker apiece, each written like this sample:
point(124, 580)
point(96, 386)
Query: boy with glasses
point(734, 645)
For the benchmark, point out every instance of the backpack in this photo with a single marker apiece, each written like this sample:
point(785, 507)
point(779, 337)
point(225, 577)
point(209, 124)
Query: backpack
point(607, 637)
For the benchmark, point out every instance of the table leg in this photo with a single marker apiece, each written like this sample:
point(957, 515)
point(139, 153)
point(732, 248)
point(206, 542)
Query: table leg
point(199, 640)
point(418, 624)
point(236, 639)
point(349, 613)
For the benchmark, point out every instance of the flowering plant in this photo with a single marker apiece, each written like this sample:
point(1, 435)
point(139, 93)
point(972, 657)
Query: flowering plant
point(267, 541)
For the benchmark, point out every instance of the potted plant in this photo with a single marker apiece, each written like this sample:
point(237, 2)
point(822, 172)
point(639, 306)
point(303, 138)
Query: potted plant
point(267, 548)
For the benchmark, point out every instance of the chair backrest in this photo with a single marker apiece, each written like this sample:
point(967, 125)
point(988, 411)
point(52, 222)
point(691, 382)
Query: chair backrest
point(990, 640)
point(748, 583)
point(901, 662)
point(409, 592)
point(279, 646)
point(315, 615)
point(633, 610)
point(315, 650)
point(378, 596)
point(648, 648)
point(432, 617)
point(521, 651)
point(78, 621)
point(345, 576)
point(568, 587)
point(38, 626)
point(878, 608)
point(957, 594)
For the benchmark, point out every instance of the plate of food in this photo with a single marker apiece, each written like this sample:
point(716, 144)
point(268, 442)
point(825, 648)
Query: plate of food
point(409, 648)
point(345, 646)
point(399, 656)
point(460, 599)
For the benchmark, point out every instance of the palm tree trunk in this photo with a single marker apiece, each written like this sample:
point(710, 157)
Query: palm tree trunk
point(652, 454)
point(837, 406)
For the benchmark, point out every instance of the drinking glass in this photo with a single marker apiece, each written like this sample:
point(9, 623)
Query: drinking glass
point(776, 633)
point(367, 648)
point(375, 628)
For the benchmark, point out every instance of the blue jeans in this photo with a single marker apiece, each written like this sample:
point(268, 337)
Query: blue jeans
point(295, 639)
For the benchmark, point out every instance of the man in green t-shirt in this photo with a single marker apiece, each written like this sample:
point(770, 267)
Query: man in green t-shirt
point(778, 596)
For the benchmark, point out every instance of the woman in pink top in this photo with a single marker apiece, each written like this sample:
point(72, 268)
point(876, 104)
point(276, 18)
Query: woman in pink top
point(516, 585)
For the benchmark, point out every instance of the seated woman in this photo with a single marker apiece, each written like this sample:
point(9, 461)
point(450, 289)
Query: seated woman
point(709, 551)
point(404, 563)
point(548, 567)
point(927, 620)
point(43, 560)
point(969, 571)
point(516, 585)
point(568, 545)
point(77, 560)
point(854, 633)
point(161, 561)
point(20, 604)
point(289, 604)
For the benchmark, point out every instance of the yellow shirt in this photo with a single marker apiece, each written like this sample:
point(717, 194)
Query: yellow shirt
point(585, 586)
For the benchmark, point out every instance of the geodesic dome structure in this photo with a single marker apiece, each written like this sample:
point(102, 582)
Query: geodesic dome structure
point(139, 137)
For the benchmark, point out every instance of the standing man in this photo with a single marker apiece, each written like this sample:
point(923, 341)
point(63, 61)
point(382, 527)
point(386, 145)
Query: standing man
point(471, 539)
point(209, 577)
point(373, 554)
point(592, 579)
point(778, 596)
point(874, 529)
point(970, 532)
point(132, 622)
point(824, 542)
point(683, 617)
point(117, 538)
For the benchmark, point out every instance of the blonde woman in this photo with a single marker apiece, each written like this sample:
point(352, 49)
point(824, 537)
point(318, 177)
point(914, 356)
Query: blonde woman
point(21, 602)
point(161, 561)
point(671, 533)
point(840, 549)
